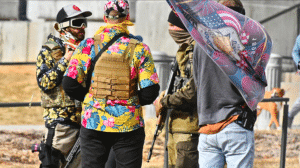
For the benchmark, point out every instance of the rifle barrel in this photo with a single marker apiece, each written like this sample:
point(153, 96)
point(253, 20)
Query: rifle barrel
point(153, 142)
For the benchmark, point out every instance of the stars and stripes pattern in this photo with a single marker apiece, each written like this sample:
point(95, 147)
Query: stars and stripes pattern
point(230, 20)
point(221, 19)
point(213, 21)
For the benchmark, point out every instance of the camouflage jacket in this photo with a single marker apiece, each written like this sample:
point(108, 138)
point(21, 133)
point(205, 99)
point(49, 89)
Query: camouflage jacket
point(184, 118)
point(50, 68)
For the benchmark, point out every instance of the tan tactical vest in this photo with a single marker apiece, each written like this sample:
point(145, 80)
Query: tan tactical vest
point(112, 73)
point(56, 97)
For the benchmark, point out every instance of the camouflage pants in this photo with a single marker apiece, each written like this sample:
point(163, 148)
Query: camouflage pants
point(182, 150)
point(63, 141)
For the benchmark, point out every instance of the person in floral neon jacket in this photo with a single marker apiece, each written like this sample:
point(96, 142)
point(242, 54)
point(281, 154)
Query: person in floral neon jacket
point(109, 122)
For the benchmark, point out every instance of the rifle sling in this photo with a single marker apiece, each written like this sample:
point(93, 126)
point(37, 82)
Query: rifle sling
point(50, 136)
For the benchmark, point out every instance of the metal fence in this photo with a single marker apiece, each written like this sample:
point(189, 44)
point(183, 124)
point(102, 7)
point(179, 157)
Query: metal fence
point(284, 127)
point(17, 63)
point(20, 104)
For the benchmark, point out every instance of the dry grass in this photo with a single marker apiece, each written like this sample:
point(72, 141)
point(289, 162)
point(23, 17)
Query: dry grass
point(18, 84)
point(275, 162)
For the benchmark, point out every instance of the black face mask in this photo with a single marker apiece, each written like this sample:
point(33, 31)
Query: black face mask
point(238, 9)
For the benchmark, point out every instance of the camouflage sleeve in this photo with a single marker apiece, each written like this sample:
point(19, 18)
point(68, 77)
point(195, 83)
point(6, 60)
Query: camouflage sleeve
point(184, 99)
point(50, 67)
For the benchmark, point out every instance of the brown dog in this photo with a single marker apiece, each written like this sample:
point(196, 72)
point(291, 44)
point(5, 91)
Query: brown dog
point(272, 107)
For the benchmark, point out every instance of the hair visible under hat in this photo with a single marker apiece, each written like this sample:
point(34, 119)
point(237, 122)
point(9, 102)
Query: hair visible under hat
point(235, 5)
point(175, 20)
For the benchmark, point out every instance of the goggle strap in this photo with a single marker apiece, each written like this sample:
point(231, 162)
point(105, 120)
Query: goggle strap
point(64, 24)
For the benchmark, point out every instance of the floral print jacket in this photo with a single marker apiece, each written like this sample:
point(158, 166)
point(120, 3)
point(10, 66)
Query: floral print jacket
point(112, 115)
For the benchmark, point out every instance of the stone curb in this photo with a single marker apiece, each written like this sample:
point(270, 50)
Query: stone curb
point(22, 127)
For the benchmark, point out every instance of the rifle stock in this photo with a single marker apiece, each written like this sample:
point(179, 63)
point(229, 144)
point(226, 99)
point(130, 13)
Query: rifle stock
point(162, 119)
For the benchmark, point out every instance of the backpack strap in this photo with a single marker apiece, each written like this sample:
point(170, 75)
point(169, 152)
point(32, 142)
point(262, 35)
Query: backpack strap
point(132, 44)
point(98, 41)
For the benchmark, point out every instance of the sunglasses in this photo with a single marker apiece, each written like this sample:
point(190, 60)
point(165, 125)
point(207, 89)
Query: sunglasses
point(75, 23)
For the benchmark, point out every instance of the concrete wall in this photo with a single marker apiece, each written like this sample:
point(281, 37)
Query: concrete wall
point(149, 16)
point(152, 26)
point(14, 36)
point(9, 10)
point(47, 9)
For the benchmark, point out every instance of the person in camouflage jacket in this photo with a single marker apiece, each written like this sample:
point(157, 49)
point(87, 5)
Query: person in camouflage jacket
point(61, 113)
point(183, 125)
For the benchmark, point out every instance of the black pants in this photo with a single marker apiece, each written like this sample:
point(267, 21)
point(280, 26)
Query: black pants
point(96, 145)
point(111, 161)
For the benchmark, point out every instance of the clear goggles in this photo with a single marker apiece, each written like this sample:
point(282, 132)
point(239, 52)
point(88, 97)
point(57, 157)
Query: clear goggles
point(75, 23)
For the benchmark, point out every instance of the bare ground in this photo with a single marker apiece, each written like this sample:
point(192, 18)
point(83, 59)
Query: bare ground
point(15, 149)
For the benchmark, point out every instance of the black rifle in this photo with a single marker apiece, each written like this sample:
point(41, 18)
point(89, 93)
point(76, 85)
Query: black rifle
point(163, 118)
point(74, 151)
